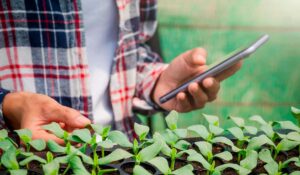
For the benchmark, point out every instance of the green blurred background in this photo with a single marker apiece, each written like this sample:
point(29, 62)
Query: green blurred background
point(269, 82)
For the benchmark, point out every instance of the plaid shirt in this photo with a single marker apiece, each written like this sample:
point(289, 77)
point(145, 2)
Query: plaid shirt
point(42, 49)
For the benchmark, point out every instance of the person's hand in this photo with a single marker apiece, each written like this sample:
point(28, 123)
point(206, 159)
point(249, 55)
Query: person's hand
point(32, 111)
point(183, 68)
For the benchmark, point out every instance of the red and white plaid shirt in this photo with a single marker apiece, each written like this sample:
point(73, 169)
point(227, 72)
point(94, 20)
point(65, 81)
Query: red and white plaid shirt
point(42, 50)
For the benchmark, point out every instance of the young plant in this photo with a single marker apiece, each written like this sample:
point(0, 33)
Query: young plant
point(173, 137)
point(238, 132)
point(162, 164)
point(206, 150)
point(69, 150)
point(211, 167)
point(84, 136)
point(212, 131)
point(26, 137)
point(272, 167)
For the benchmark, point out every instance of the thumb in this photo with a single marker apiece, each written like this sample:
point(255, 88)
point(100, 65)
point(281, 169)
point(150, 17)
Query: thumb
point(73, 119)
point(187, 65)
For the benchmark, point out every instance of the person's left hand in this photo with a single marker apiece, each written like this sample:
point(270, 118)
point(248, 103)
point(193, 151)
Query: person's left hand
point(183, 68)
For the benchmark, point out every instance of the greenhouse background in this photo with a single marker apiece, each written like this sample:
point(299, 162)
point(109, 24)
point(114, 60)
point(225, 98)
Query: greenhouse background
point(269, 82)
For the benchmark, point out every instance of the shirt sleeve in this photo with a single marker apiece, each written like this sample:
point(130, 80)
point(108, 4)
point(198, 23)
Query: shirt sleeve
point(3, 93)
point(149, 68)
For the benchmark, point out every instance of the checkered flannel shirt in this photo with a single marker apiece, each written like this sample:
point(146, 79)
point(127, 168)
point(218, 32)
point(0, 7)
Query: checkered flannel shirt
point(42, 50)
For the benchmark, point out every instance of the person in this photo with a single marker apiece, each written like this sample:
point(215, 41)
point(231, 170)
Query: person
point(62, 59)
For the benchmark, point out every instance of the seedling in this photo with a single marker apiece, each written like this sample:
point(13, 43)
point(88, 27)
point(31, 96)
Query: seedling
point(213, 126)
point(238, 132)
point(272, 167)
point(162, 164)
point(173, 137)
point(26, 137)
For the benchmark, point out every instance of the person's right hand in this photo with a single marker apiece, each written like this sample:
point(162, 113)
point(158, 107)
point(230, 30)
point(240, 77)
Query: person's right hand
point(32, 111)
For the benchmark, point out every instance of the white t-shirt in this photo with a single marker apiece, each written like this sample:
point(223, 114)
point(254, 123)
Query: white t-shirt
point(101, 34)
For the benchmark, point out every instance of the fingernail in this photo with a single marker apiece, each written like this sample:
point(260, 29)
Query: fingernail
point(82, 121)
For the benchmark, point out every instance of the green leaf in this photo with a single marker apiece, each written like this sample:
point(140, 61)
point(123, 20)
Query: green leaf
point(83, 134)
point(139, 170)
point(215, 130)
point(258, 119)
point(237, 133)
point(181, 133)
point(295, 112)
point(225, 141)
point(49, 156)
point(251, 130)
point(212, 119)
point(5, 144)
point(151, 151)
point(141, 130)
point(55, 129)
point(225, 155)
point(9, 159)
point(255, 143)
point(200, 130)
point(287, 162)
point(288, 125)
point(38, 144)
point(54, 147)
point(51, 168)
point(161, 164)
point(3, 134)
point(295, 173)
point(182, 145)
point(240, 122)
point(204, 147)
point(32, 158)
point(18, 172)
point(106, 144)
point(271, 167)
point(25, 135)
point(85, 158)
point(250, 161)
point(116, 155)
point(268, 130)
point(236, 167)
point(171, 120)
point(102, 131)
point(194, 156)
point(295, 136)
point(119, 138)
point(166, 150)
point(186, 170)
point(265, 156)
point(286, 145)
point(170, 137)
point(77, 166)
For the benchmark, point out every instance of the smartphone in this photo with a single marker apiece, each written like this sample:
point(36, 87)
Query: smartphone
point(217, 68)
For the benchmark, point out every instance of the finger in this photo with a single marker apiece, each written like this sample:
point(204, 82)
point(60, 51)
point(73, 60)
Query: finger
point(71, 117)
point(199, 96)
point(195, 57)
point(229, 72)
point(183, 104)
point(211, 87)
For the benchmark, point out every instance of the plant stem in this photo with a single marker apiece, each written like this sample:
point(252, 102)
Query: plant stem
point(66, 170)
point(102, 152)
